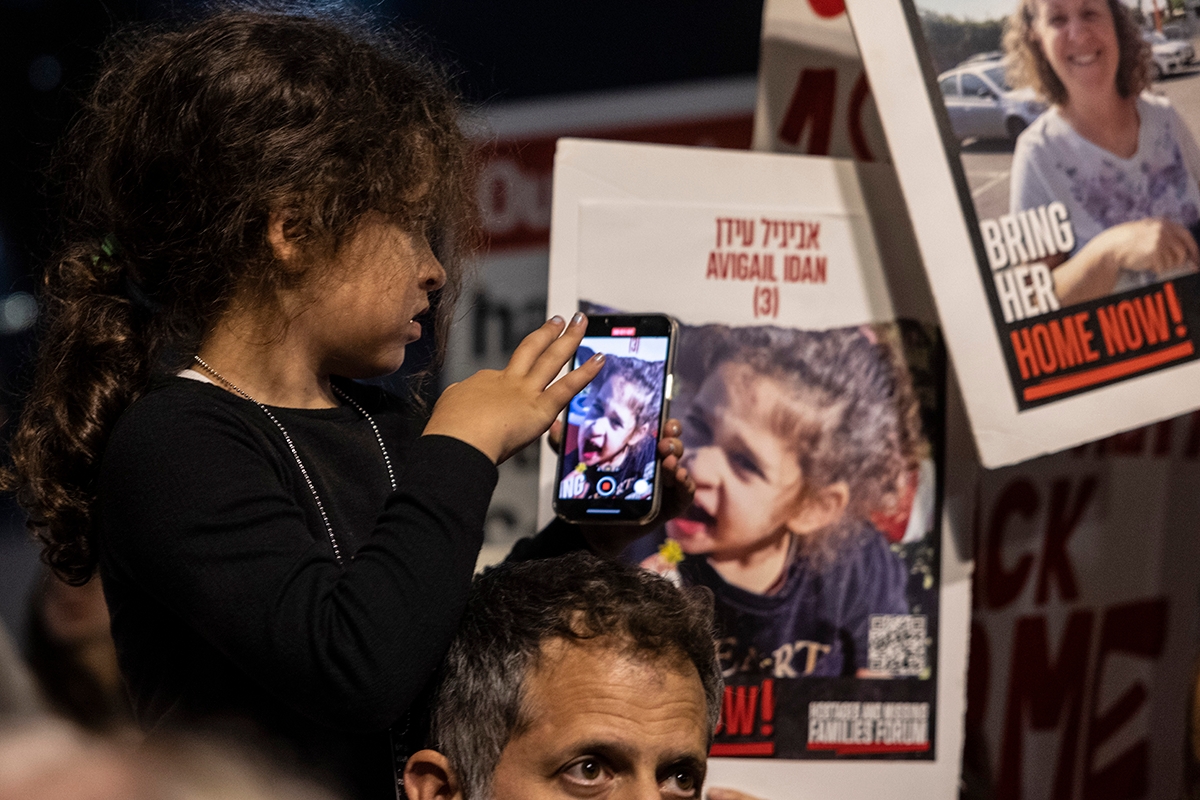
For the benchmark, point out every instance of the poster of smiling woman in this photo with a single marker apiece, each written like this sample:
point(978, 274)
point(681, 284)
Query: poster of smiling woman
point(810, 381)
point(1047, 150)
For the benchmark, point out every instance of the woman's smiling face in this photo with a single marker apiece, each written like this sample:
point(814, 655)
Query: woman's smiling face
point(1079, 40)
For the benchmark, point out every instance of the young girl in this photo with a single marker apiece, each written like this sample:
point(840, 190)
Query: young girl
point(794, 438)
point(265, 207)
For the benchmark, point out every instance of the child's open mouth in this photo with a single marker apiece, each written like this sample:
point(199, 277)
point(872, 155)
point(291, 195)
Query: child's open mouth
point(692, 522)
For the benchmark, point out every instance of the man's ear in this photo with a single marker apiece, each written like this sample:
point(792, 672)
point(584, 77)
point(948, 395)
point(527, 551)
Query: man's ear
point(820, 509)
point(429, 776)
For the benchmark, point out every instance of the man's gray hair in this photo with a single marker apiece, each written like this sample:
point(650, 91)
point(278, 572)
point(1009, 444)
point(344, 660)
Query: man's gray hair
point(516, 607)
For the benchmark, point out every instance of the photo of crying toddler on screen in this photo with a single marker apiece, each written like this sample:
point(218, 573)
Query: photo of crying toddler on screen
point(612, 426)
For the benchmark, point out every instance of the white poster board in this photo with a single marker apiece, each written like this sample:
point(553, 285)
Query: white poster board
point(1043, 365)
point(647, 228)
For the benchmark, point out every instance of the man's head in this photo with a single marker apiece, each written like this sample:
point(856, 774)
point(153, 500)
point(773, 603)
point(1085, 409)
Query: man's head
point(573, 676)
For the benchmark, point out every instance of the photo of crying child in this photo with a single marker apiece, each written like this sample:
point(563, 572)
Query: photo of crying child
point(612, 431)
point(811, 472)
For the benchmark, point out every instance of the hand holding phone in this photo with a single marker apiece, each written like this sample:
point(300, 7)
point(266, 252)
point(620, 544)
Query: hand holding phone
point(608, 465)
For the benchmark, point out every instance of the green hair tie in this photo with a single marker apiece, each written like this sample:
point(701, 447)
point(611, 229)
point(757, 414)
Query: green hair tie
point(108, 249)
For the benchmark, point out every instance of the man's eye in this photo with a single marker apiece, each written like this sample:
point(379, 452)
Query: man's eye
point(682, 784)
point(587, 772)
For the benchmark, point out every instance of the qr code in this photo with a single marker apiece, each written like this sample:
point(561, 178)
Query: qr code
point(897, 644)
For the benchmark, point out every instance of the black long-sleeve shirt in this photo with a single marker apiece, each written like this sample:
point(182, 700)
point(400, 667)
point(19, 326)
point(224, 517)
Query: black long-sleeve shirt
point(227, 602)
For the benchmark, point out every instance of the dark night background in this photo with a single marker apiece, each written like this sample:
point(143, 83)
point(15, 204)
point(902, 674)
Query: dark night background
point(499, 50)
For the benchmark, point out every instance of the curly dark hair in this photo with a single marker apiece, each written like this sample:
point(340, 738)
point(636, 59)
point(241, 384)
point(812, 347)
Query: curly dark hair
point(644, 377)
point(514, 608)
point(189, 141)
point(853, 415)
point(1026, 64)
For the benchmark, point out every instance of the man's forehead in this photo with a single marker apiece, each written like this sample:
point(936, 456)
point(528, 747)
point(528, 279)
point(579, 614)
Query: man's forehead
point(565, 666)
point(601, 687)
point(631, 715)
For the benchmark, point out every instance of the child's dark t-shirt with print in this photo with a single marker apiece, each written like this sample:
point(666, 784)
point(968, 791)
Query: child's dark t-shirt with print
point(817, 623)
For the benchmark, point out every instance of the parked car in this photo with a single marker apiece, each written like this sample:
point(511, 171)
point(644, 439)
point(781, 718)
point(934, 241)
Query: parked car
point(1168, 56)
point(982, 105)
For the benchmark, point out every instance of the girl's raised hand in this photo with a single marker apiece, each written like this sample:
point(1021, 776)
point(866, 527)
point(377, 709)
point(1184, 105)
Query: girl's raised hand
point(500, 411)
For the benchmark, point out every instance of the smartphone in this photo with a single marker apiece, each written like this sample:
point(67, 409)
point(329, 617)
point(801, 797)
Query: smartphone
point(608, 462)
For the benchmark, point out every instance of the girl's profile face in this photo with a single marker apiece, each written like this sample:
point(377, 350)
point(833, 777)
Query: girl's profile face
point(362, 311)
point(748, 481)
point(1079, 40)
point(610, 425)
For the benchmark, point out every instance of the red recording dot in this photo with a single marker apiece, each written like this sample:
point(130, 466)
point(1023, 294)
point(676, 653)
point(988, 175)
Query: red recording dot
point(828, 8)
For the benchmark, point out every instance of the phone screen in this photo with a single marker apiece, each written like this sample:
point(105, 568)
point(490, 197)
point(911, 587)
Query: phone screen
point(608, 464)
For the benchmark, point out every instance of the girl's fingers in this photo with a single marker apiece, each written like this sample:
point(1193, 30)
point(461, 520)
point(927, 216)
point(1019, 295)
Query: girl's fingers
point(559, 352)
point(685, 480)
point(533, 345)
point(554, 436)
point(559, 393)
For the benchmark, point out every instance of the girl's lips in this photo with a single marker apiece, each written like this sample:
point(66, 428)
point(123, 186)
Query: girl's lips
point(687, 528)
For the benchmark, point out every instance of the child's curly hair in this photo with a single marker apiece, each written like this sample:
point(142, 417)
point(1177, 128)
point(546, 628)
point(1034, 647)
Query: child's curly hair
point(189, 142)
point(645, 378)
point(853, 415)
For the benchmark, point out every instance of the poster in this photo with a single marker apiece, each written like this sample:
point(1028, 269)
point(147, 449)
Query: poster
point(1064, 270)
point(1083, 635)
point(753, 267)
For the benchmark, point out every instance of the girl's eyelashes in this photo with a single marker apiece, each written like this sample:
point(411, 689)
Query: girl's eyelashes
point(745, 463)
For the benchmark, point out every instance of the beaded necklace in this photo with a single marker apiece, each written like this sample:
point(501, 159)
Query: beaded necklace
point(387, 460)
point(395, 741)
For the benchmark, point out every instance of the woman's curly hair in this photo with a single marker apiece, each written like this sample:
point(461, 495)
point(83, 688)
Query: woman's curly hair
point(189, 141)
point(1026, 64)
